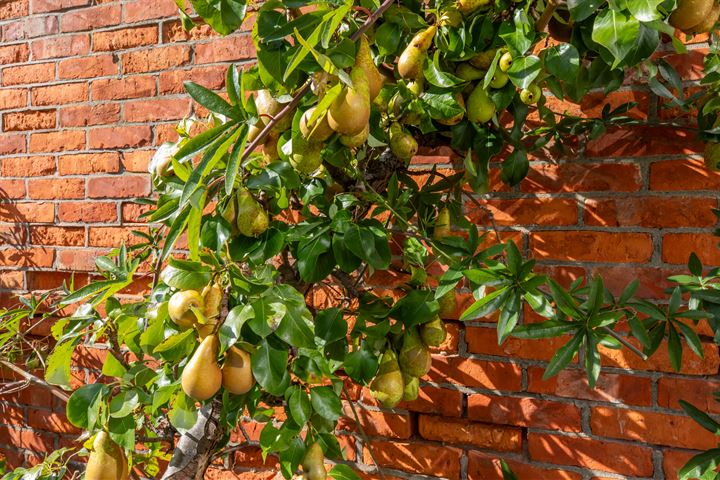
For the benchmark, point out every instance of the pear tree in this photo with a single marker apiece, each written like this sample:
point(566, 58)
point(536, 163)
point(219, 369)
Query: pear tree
point(299, 186)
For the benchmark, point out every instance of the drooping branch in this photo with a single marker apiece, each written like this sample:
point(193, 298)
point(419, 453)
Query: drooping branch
point(37, 381)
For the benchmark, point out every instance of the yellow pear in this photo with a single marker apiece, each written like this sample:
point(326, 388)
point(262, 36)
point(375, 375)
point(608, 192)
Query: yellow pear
point(350, 111)
point(690, 13)
point(268, 107)
point(480, 107)
point(454, 120)
point(707, 24)
point(319, 130)
point(306, 157)
point(388, 385)
point(448, 305)
point(313, 463)
point(269, 148)
point(107, 460)
point(410, 63)
point(414, 357)
point(451, 17)
point(229, 213)
point(201, 379)
point(355, 141)
point(212, 298)
point(237, 376)
point(364, 60)
point(252, 219)
point(467, 7)
point(402, 144)
point(254, 131)
point(180, 308)
point(442, 224)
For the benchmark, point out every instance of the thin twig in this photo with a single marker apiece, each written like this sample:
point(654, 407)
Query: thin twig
point(364, 436)
point(542, 23)
point(29, 376)
point(489, 213)
point(629, 345)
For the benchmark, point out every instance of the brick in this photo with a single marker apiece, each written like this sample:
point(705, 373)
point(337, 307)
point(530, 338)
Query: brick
point(27, 166)
point(139, 10)
point(524, 412)
point(12, 189)
point(673, 461)
point(69, 93)
point(417, 458)
point(159, 58)
point(632, 142)
point(592, 246)
point(91, 18)
point(677, 247)
point(687, 174)
point(166, 132)
point(56, 188)
point(88, 115)
point(26, 257)
point(462, 432)
point(87, 212)
point(14, 9)
point(36, 441)
point(445, 402)
point(64, 46)
point(52, 279)
point(612, 457)
point(172, 31)
point(29, 27)
point(41, 419)
point(484, 340)
point(123, 88)
point(43, 212)
point(65, 236)
point(610, 387)
point(29, 120)
point(378, 424)
point(531, 211)
point(12, 98)
point(125, 38)
point(118, 187)
point(15, 235)
point(137, 160)
point(89, 163)
point(697, 392)
point(112, 236)
point(26, 74)
point(14, 54)
point(41, 6)
point(209, 77)
point(12, 280)
point(660, 360)
point(77, 260)
point(88, 67)
point(651, 212)
point(653, 280)
point(57, 141)
point(582, 177)
point(12, 144)
point(650, 427)
point(228, 49)
point(157, 109)
point(483, 466)
point(475, 373)
point(131, 212)
point(119, 137)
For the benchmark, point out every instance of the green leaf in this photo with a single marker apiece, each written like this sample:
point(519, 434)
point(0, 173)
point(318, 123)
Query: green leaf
point(644, 10)
point(233, 164)
point(515, 167)
point(296, 327)
point(122, 431)
point(343, 472)
point(592, 358)
point(582, 9)
point(123, 404)
point(212, 101)
point(486, 305)
point(269, 365)
point(326, 403)
point(224, 16)
point(691, 338)
point(674, 348)
point(229, 331)
point(702, 418)
point(83, 406)
point(524, 70)
point(330, 326)
point(361, 242)
point(361, 365)
point(564, 355)
point(300, 406)
point(563, 61)
point(563, 300)
point(112, 367)
point(183, 414)
point(547, 329)
point(695, 265)
point(699, 464)
point(616, 31)
point(177, 228)
point(507, 473)
point(58, 364)
point(418, 306)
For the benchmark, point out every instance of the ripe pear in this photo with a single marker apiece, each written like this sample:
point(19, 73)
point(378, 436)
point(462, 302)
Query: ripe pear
point(237, 376)
point(433, 333)
point(268, 107)
point(690, 13)
point(467, 72)
point(254, 131)
point(387, 386)
point(412, 388)
point(467, 7)
point(402, 144)
point(712, 156)
point(269, 148)
point(212, 297)
point(350, 111)
point(319, 130)
point(364, 60)
point(201, 379)
point(448, 305)
point(229, 213)
point(505, 61)
point(443, 224)
point(457, 118)
point(707, 24)
point(410, 63)
point(356, 140)
point(107, 460)
point(483, 60)
point(252, 219)
point(414, 357)
point(306, 157)
point(313, 463)
point(480, 107)
point(180, 305)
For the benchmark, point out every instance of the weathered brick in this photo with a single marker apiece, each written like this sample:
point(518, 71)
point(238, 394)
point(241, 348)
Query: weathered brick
point(524, 412)
point(17, 53)
point(118, 187)
point(88, 115)
point(122, 88)
point(27, 166)
point(12, 98)
point(157, 109)
point(582, 177)
point(53, 188)
point(225, 50)
point(57, 141)
point(41, 6)
point(463, 432)
point(64, 46)
point(65, 236)
point(485, 466)
point(69, 93)
point(675, 175)
point(212, 77)
point(125, 38)
point(14, 9)
point(12, 144)
point(87, 212)
point(27, 74)
point(475, 373)
point(88, 67)
point(643, 211)
point(530, 211)
point(29, 27)
point(43, 212)
point(89, 163)
point(91, 18)
point(677, 247)
point(697, 392)
point(26, 257)
point(159, 58)
point(112, 236)
point(138, 10)
point(29, 120)
point(592, 246)
point(119, 137)
point(417, 458)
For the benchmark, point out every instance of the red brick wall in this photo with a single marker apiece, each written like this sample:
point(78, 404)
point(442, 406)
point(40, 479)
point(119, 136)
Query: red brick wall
point(87, 93)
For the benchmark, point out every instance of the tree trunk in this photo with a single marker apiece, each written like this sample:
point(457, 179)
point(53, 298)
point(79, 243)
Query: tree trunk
point(194, 451)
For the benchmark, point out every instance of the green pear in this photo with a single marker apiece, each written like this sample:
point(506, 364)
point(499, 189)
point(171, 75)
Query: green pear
point(306, 157)
point(531, 94)
point(107, 461)
point(500, 79)
point(483, 60)
point(468, 7)
point(451, 17)
point(480, 107)
point(356, 140)
point(414, 357)
point(448, 305)
point(505, 61)
point(319, 130)
point(387, 386)
point(229, 213)
point(268, 107)
point(433, 333)
point(410, 63)
point(350, 111)
point(467, 72)
point(252, 219)
point(313, 463)
point(412, 388)
point(269, 148)
point(364, 60)
point(443, 224)
point(690, 13)
point(402, 144)
point(201, 378)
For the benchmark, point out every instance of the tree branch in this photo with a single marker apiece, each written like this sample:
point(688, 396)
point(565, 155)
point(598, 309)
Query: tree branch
point(37, 381)
point(542, 23)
